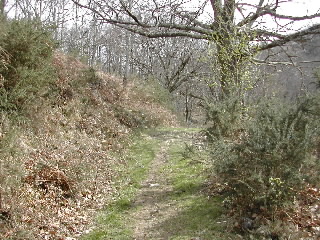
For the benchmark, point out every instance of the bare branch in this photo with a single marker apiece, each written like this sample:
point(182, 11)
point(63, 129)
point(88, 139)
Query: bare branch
point(266, 11)
point(131, 14)
point(293, 18)
point(183, 30)
point(264, 33)
point(186, 24)
point(276, 6)
point(163, 34)
point(271, 63)
point(192, 18)
point(292, 37)
point(261, 11)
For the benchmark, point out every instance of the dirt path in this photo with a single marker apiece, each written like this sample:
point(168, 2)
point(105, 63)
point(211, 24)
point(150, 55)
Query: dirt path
point(170, 202)
point(151, 201)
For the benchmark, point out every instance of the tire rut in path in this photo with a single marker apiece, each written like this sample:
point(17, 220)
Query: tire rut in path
point(152, 203)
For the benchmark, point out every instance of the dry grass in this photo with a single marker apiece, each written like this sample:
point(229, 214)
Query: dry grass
point(56, 162)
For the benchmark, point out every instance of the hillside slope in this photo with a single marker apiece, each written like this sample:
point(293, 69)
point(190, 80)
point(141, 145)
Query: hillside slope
point(57, 155)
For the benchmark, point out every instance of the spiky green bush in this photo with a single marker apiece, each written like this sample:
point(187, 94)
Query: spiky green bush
point(224, 118)
point(261, 169)
point(27, 74)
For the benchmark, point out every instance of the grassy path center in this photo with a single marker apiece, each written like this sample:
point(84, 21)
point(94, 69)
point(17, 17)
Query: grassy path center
point(161, 192)
point(151, 201)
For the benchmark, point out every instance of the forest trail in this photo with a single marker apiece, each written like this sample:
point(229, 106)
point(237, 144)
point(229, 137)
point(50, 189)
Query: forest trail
point(169, 201)
point(153, 202)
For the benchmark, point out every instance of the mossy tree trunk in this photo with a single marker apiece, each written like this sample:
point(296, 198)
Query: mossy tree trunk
point(231, 48)
point(2, 11)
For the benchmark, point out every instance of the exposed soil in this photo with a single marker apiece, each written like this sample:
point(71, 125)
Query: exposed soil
point(153, 203)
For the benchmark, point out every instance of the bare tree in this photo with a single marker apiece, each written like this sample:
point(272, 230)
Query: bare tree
point(236, 39)
point(172, 62)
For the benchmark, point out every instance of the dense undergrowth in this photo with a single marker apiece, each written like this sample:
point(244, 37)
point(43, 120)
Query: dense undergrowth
point(265, 160)
point(61, 123)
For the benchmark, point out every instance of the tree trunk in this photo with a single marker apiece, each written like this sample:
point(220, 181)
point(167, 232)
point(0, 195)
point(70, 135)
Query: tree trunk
point(228, 46)
point(229, 63)
point(2, 11)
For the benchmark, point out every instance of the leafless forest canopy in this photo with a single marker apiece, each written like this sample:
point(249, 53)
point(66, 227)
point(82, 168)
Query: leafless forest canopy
point(183, 44)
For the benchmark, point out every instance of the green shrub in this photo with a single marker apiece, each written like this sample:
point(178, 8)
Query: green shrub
point(262, 169)
point(28, 73)
point(224, 118)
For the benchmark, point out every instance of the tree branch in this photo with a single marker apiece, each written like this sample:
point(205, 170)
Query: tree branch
point(274, 14)
point(163, 34)
point(261, 11)
point(291, 37)
point(192, 28)
point(228, 11)
point(194, 20)
point(217, 9)
point(260, 33)
point(293, 18)
point(283, 63)
point(131, 14)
